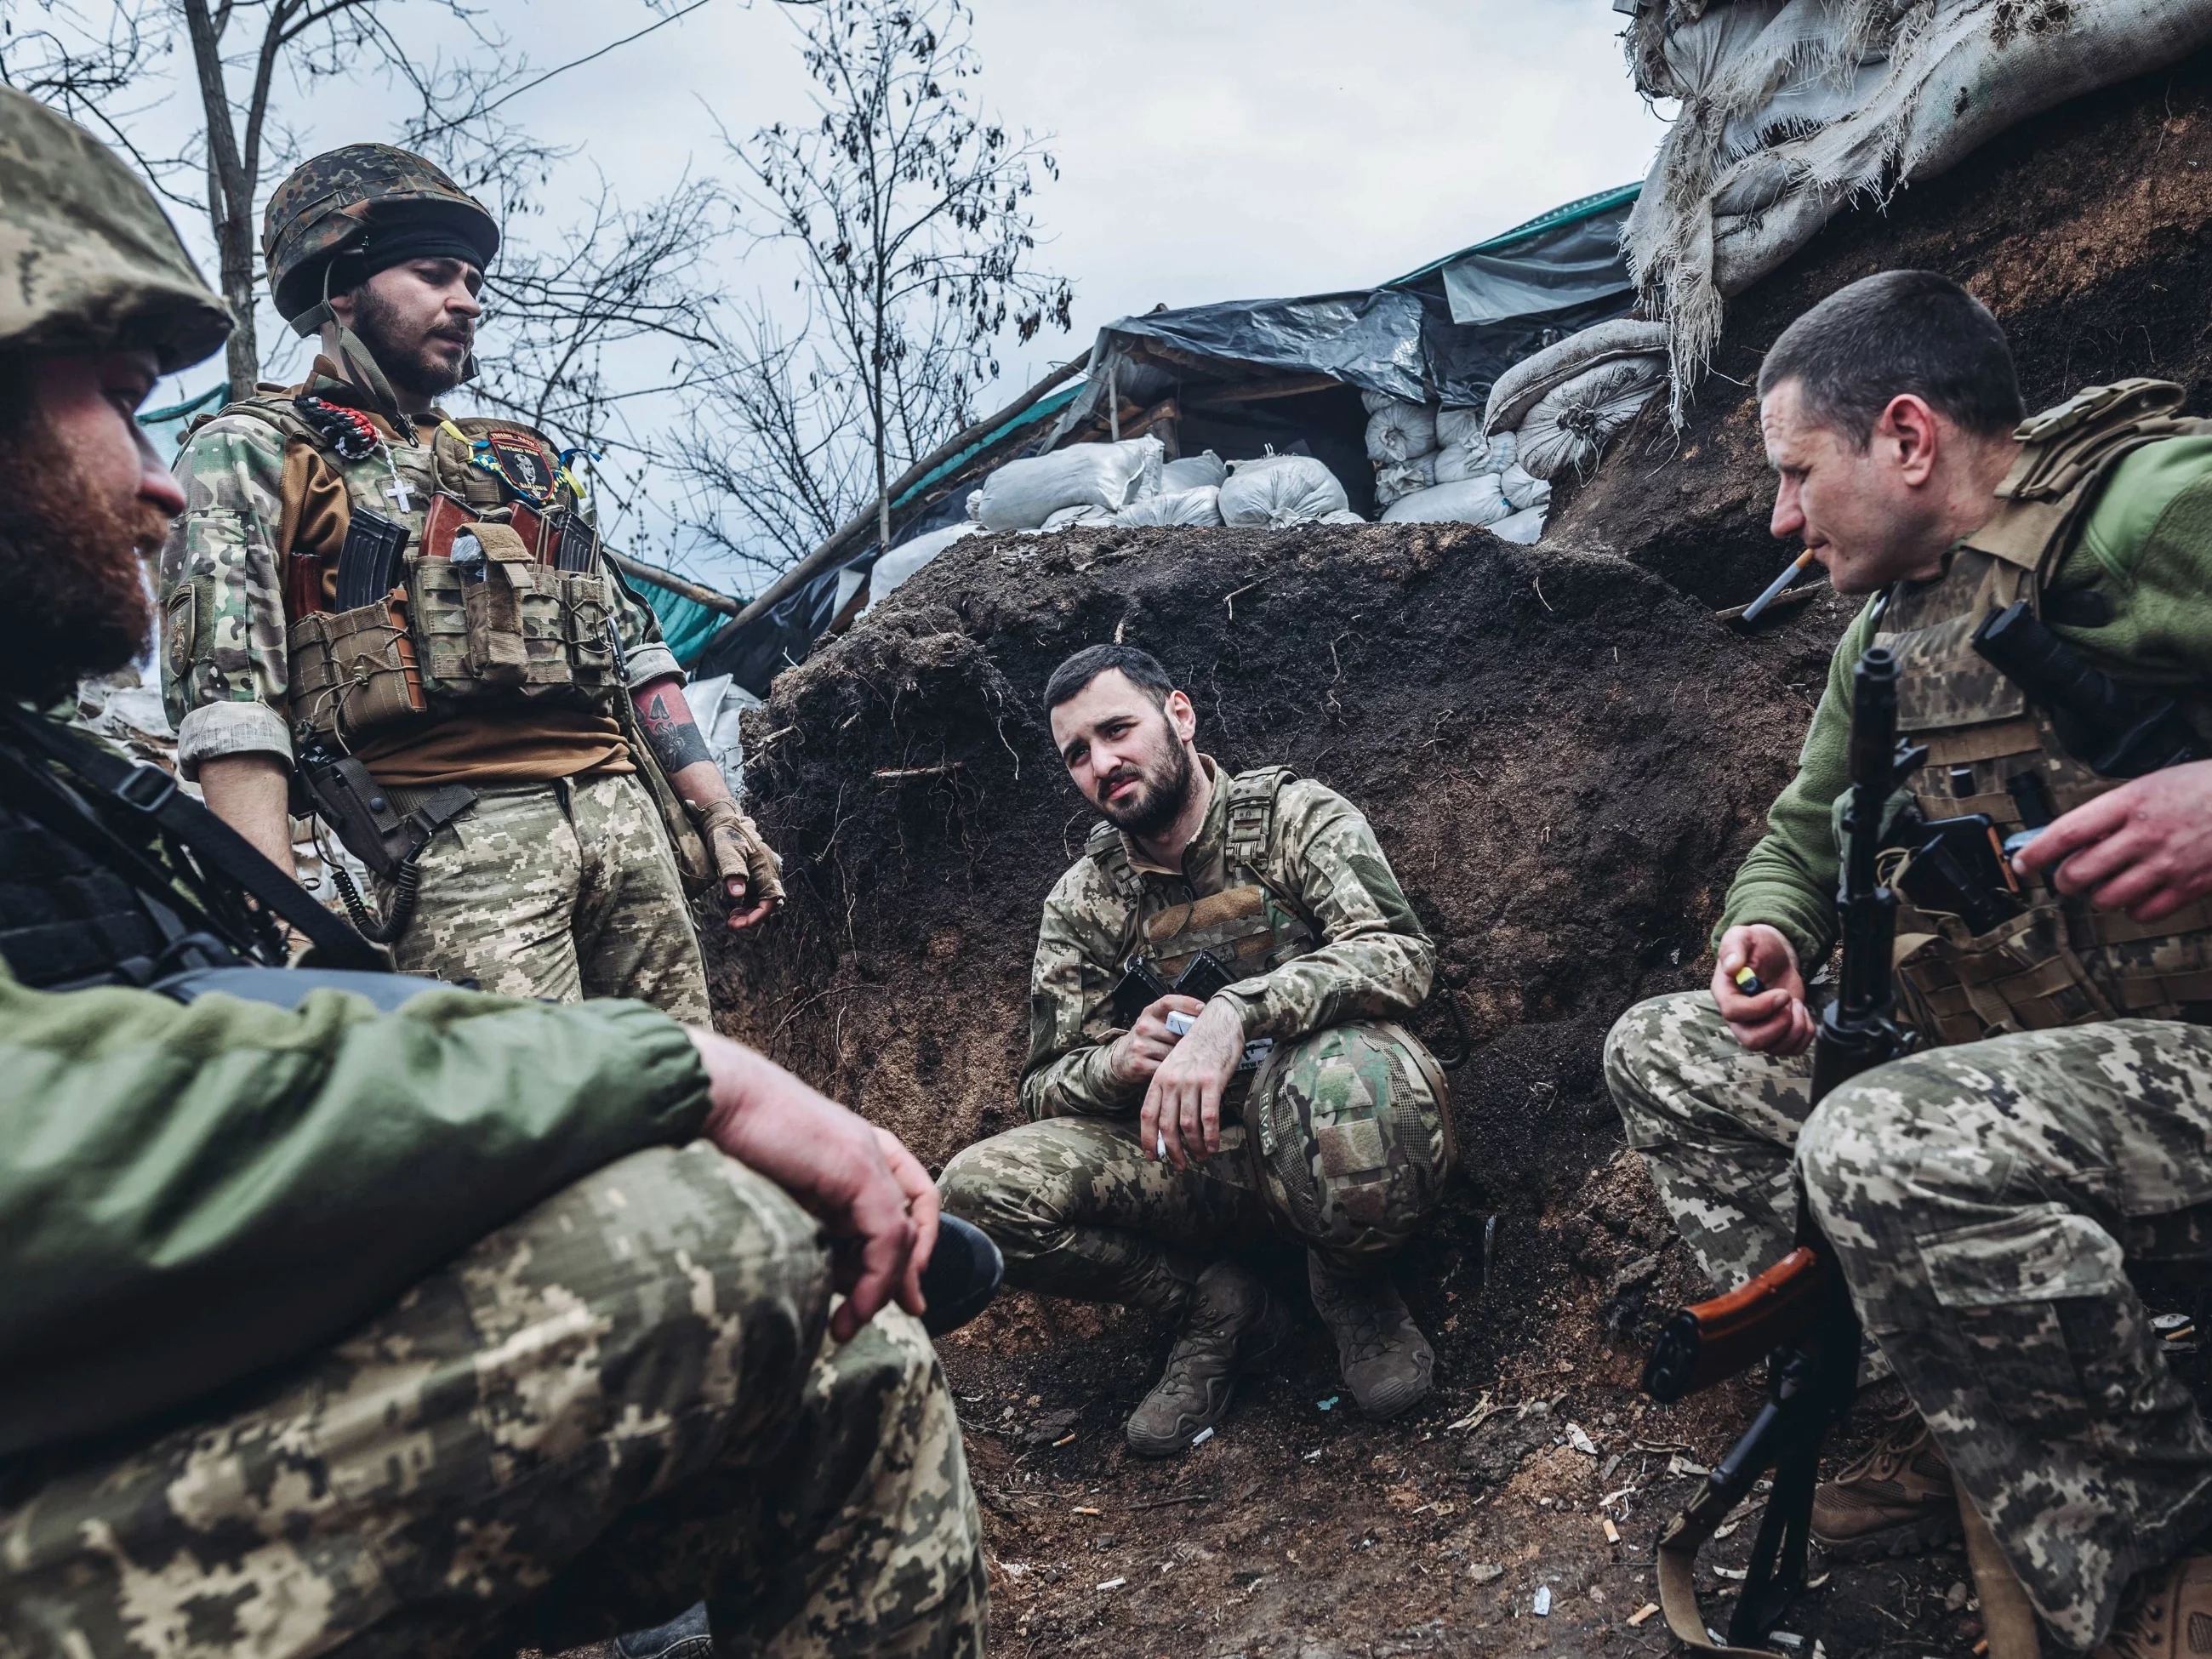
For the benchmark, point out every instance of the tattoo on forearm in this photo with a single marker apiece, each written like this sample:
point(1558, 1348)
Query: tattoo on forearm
point(669, 729)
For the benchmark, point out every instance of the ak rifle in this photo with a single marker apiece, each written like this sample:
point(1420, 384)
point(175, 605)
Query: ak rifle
point(1797, 1314)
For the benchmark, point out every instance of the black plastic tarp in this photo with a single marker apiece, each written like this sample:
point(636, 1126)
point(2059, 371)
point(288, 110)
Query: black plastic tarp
point(1567, 261)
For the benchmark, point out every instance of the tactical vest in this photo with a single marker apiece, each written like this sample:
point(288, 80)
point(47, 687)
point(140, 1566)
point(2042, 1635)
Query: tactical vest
point(508, 625)
point(2061, 962)
point(1250, 927)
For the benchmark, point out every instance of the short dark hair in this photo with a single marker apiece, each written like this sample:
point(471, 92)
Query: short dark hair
point(1901, 331)
point(1141, 668)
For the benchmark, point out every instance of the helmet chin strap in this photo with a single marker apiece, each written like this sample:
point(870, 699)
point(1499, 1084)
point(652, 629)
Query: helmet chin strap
point(352, 357)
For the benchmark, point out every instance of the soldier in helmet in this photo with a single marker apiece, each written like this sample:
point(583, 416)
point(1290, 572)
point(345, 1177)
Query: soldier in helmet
point(1172, 1131)
point(404, 619)
point(352, 1314)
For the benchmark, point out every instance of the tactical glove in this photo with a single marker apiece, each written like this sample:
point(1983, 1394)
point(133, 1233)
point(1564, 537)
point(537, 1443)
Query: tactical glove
point(735, 846)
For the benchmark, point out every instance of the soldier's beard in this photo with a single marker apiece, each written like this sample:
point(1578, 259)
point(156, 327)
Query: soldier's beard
point(1162, 790)
point(411, 368)
point(76, 601)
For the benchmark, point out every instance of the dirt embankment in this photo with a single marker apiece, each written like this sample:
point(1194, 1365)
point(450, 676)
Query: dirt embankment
point(1565, 756)
point(2088, 231)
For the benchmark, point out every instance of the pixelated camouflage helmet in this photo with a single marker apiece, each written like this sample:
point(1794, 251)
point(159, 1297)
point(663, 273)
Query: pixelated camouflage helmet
point(337, 204)
point(92, 263)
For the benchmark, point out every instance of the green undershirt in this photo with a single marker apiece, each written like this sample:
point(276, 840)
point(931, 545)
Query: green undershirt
point(2146, 544)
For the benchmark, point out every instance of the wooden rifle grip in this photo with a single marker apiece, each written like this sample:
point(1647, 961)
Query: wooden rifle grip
point(1735, 1332)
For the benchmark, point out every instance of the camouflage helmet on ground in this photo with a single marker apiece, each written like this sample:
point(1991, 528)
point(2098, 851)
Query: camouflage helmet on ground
point(92, 261)
point(341, 205)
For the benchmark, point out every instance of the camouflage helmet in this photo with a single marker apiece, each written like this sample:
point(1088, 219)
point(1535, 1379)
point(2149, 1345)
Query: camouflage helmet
point(1353, 1131)
point(92, 263)
point(333, 202)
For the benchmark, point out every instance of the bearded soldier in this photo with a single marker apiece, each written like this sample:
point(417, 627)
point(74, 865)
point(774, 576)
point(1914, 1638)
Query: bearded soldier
point(351, 1314)
point(411, 613)
point(1290, 1106)
point(1986, 1196)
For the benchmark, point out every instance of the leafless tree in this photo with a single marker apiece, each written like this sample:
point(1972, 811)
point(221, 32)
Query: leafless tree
point(909, 215)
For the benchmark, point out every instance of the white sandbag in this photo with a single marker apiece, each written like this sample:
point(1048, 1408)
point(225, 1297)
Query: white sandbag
point(1346, 516)
point(1569, 428)
point(1458, 426)
point(1398, 431)
point(1371, 401)
point(1402, 478)
point(1170, 507)
point(1194, 472)
point(1523, 527)
point(1523, 489)
point(1788, 112)
point(1521, 388)
point(1280, 490)
point(1478, 500)
point(1082, 515)
point(903, 560)
point(1024, 495)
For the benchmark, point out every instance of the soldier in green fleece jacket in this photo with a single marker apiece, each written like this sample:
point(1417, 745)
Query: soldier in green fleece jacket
point(1987, 1195)
point(330, 1330)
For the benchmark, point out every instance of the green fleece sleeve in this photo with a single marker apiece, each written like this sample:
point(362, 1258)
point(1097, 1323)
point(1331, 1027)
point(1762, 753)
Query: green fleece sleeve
point(192, 1193)
point(2146, 544)
point(1788, 880)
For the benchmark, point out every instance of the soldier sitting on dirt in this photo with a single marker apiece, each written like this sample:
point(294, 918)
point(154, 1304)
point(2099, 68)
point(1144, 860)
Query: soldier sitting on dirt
point(1292, 1109)
point(325, 1330)
point(1986, 1196)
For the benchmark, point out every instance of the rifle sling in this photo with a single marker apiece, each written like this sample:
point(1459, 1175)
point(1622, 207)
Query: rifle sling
point(1677, 1564)
point(220, 848)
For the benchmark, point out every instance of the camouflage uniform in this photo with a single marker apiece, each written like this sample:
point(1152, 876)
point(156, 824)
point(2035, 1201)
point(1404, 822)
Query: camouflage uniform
point(559, 891)
point(1342, 1137)
point(1987, 1202)
point(621, 1399)
point(1716, 1126)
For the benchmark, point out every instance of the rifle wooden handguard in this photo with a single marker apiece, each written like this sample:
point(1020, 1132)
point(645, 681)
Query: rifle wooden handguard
point(1711, 1341)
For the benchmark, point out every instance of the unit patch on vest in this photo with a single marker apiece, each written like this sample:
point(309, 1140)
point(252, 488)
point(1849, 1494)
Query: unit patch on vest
point(521, 458)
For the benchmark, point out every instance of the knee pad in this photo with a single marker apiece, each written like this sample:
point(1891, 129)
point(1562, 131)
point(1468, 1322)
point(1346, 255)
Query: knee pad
point(1351, 1132)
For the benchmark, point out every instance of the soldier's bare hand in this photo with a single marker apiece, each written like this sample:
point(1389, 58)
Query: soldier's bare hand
point(1182, 1106)
point(875, 1202)
point(1776, 1020)
point(741, 918)
point(2144, 849)
point(1137, 1052)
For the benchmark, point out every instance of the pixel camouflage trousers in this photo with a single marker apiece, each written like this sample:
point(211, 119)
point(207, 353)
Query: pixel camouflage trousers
point(618, 1404)
point(1986, 1202)
point(561, 890)
point(1078, 1210)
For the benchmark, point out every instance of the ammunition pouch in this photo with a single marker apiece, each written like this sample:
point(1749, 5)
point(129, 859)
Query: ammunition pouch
point(353, 672)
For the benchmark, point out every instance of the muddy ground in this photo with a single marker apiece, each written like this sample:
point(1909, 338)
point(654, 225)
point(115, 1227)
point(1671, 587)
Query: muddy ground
point(1564, 754)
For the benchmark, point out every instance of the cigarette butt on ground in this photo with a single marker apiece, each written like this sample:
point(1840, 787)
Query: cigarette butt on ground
point(1612, 1532)
point(1084, 1509)
point(1065, 1438)
point(1643, 1612)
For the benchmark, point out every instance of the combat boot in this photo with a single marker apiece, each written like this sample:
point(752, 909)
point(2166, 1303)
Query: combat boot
point(1230, 1324)
point(1386, 1361)
point(1897, 1499)
point(2167, 1615)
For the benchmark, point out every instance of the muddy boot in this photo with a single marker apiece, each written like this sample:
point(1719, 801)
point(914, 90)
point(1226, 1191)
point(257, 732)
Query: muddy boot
point(2167, 1615)
point(1386, 1361)
point(1230, 1325)
point(1895, 1500)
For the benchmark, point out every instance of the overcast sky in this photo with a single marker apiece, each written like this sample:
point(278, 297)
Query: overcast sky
point(1207, 151)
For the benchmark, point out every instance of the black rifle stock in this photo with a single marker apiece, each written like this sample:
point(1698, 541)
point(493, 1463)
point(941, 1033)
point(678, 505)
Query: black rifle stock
point(1798, 1314)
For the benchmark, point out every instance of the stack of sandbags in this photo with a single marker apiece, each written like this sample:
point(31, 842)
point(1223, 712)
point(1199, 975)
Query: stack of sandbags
point(1051, 491)
point(1564, 404)
point(1199, 506)
point(1204, 471)
point(1402, 442)
point(1278, 491)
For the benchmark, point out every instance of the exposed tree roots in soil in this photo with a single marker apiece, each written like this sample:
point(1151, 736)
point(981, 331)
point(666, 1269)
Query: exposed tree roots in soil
point(1564, 754)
